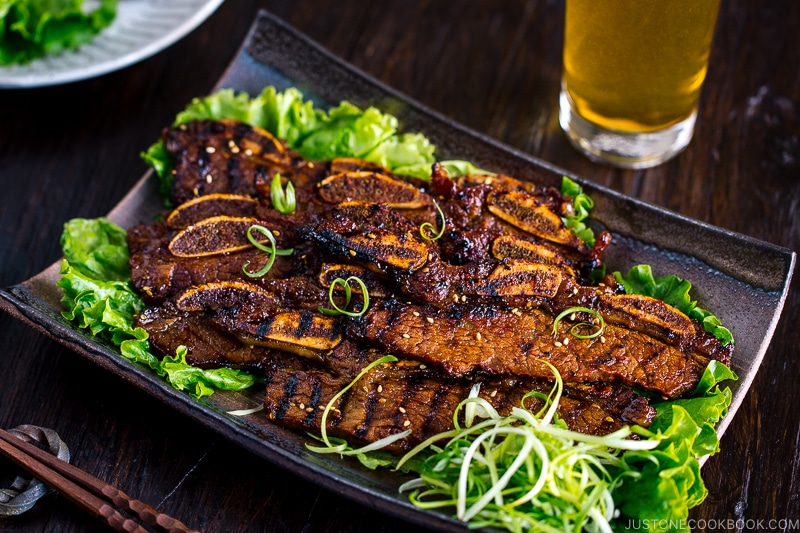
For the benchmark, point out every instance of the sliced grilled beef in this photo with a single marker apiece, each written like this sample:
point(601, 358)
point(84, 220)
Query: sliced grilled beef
point(226, 156)
point(206, 346)
point(474, 305)
point(368, 233)
point(481, 339)
point(395, 397)
point(158, 274)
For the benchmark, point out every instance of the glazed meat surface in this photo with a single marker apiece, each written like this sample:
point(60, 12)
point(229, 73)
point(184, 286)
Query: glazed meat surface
point(465, 276)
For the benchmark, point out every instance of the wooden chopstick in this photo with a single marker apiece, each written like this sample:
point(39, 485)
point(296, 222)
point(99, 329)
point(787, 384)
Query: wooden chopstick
point(86, 490)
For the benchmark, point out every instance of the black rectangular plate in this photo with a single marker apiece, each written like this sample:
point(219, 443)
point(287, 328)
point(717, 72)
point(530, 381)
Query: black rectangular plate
point(743, 280)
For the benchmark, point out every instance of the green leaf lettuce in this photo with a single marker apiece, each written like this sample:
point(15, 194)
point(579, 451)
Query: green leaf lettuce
point(32, 28)
point(583, 205)
point(665, 482)
point(98, 296)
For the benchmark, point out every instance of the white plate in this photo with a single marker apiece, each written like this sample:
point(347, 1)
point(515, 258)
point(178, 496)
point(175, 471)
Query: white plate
point(140, 29)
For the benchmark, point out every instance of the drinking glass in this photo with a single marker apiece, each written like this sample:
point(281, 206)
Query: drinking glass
point(633, 71)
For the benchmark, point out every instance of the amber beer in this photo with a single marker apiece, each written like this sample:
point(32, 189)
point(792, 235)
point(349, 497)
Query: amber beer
point(635, 68)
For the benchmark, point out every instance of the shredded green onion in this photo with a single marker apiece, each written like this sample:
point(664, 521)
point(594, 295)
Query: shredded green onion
point(283, 201)
point(348, 292)
point(523, 472)
point(574, 330)
point(428, 230)
point(272, 250)
point(244, 412)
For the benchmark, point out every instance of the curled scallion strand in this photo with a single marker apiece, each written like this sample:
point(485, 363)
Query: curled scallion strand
point(283, 201)
point(272, 250)
point(428, 230)
point(348, 292)
point(574, 329)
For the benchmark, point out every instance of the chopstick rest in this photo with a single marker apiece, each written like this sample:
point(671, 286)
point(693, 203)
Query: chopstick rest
point(24, 493)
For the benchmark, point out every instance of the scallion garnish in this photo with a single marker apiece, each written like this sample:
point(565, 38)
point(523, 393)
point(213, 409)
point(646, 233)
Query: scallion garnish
point(426, 227)
point(574, 329)
point(283, 201)
point(348, 292)
point(244, 412)
point(272, 249)
point(523, 472)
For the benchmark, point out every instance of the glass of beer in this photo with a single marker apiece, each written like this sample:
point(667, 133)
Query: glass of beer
point(633, 71)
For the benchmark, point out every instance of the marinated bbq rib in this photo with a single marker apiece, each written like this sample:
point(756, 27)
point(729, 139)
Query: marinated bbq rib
point(483, 340)
point(407, 396)
point(298, 389)
point(226, 156)
point(476, 306)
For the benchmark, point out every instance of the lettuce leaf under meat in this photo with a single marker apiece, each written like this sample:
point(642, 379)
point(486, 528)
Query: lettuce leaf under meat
point(33, 28)
point(668, 482)
point(99, 296)
point(582, 205)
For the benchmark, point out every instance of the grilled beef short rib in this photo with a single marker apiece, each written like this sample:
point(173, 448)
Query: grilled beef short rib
point(473, 307)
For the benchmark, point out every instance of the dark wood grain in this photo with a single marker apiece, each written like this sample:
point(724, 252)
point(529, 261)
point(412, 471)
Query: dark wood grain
point(493, 65)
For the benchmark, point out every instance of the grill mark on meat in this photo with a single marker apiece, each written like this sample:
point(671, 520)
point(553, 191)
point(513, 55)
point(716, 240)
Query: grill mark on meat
point(369, 412)
point(303, 333)
point(431, 415)
point(306, 319)
point(316, 395)
point(288, 392)
point(264, 326)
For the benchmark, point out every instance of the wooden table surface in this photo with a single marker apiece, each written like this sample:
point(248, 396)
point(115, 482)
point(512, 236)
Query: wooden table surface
point(494, 65)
